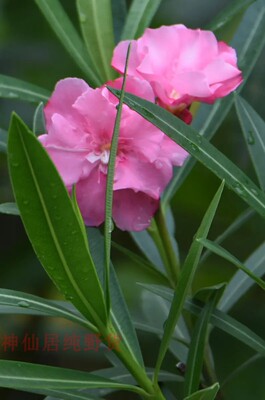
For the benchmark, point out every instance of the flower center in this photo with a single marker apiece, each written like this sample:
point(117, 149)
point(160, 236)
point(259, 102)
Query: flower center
point(102, 155)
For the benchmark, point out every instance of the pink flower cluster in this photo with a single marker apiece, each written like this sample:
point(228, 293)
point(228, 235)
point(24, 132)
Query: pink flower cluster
point(182, 65)
point(172, 66)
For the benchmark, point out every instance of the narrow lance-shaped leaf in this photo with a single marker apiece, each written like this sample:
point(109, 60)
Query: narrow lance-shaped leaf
point(51, 223)
point(205, 394)
point(109, 185)
point(253, 128)
point(219, 319)
point(248, 41)
point(9, 208)
point(63, 394)
point(119, 312)
point(13, 88)
point(186, 278)
point(3, 141)
point(230, 11)
point(197, 346)
point(235, 225)
point(66, 32)
point(119, 12)
point(139, 17)
point(38, 126)
point(220, 251)
point(145, 264)
point(21, 375)
point(240, 282)
point(201, 149)
point(24, 303)
point(95, 18)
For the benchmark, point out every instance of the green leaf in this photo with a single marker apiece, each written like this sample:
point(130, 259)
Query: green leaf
point(235, 225)
point(21, 375)
point(44, 202)
point(240, 283)
point(67, 34)
point(23, 303)
point(119, 312)
point(9, 208)
point(155, 310)
point(139, 17)
point(63, 394)
point(220, 251)
point(38, 126)
point(242, 367)
point(119, 12)
point(197, 346)
point(205, 394)
point(13, 88)
point(201, 149)
point(229, 12)
point(3, 141)
point(248, 41)
point(219, 319)
point(118, 374)
point(186, 278)
point(95, 18)
point(144, 264)
point(146, 245)
point(108, 226)
point(253, 128)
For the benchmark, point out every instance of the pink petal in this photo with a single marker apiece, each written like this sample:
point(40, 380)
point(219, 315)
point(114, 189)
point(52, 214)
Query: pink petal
point(63, 97)
point(173, 152)
point(134, 85)
point(66, 149)
point(119, 57)
point(146, 177)
point(133, 211)
point(98, 112)
point(193, 83)
point(90, 193)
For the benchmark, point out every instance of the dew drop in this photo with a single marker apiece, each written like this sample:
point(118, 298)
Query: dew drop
point(199, 139)
point(83, 18)
point(250, 138)
point(254, 191)
point(239, 190)
point(111, 226)
point(23, 304)
point(194, 147)
point(12, 95)
point(25, 202)
point(15, 164)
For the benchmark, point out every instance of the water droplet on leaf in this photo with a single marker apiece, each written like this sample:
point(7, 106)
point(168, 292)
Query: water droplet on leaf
point(83, 18)
point(250, 138)
point(254, 191)
point(12, 95)
point(23, 304)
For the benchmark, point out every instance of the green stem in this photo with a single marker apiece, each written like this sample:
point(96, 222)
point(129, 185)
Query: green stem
point(150, 391)
point(159, 233)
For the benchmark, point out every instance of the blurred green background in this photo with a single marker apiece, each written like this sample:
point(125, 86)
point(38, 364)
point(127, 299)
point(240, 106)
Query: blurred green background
point(30, 51)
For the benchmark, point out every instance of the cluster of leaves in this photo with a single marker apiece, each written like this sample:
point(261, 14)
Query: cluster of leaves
point(73, 255)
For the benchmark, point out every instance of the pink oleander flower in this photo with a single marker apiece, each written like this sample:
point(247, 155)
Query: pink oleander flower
point(79, 123)
point(182, 65)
